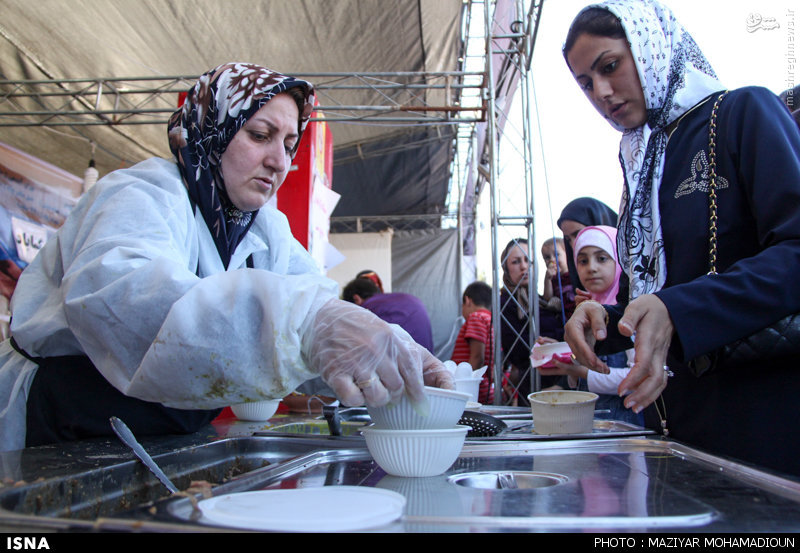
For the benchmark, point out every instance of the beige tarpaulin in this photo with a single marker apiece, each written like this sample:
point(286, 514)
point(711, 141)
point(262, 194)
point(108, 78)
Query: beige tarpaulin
point(53, 39)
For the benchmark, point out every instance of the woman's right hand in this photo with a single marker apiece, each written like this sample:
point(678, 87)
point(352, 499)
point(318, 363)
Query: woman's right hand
point(364, 360)
point(648, 319)
point(583, 329)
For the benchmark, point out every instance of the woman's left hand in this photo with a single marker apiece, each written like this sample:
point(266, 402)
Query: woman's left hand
point(581, 296)
point(648, 319)
point(364, 359)
point(583, 329)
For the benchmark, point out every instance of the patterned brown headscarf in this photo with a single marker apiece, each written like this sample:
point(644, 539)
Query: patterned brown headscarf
point(216, 107)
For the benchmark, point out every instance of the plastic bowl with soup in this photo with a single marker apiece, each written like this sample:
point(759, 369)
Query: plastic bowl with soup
point(562, 411)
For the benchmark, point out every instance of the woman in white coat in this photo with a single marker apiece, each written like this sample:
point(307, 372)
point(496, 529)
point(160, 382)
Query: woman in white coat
point(173, 289)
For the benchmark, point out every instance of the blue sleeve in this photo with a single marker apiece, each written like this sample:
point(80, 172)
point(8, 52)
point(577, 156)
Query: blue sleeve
point(759, 230)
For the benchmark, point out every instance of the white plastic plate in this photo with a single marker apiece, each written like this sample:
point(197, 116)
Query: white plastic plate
point(324, 509)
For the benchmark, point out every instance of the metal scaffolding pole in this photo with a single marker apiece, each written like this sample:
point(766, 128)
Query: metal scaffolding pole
point(394, 98)
point(491, 176)
point(518, 213)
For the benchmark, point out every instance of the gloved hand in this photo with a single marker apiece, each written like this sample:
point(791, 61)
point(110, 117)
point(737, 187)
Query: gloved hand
point(434, 372)
point(363, 359)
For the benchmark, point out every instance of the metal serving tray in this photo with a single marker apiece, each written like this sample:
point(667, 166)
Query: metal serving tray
point(634, 484)
point(619, 485)
point(73, 486)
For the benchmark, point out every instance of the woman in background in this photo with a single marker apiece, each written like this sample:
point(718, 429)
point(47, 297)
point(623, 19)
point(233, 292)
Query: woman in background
point(515, 323)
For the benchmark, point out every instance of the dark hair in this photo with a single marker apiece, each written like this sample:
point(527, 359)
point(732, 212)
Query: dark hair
point(373, 276)
point(299, 95)
point(588, 212)
point(480, 293)
point(593, 21)
point(363, 287)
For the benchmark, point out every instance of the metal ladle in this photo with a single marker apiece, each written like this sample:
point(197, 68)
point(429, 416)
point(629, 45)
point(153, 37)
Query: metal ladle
point(121, 429)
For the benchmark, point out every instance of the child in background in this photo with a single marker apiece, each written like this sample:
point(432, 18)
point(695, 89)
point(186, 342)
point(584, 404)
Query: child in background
point(556, 281)
point(474, 343)
point(557, 301)
point(599, 272)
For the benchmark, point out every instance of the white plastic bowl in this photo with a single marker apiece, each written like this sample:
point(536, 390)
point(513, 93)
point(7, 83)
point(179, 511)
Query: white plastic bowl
point(446, 408)
point(416, 453)
point(471, 386)
point(256, 411)
point(562, 411)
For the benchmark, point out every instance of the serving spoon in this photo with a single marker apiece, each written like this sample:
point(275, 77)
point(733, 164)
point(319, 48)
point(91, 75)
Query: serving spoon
point(124, 433)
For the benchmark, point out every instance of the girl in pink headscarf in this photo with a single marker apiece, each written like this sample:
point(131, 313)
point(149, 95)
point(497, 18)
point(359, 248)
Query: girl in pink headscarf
point(595, 256)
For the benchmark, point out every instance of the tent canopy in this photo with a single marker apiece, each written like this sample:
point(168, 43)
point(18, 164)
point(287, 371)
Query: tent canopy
point(384, 42)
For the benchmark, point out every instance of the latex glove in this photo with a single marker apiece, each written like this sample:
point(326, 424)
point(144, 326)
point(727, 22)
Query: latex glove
point(434, 372)
point(362, 358)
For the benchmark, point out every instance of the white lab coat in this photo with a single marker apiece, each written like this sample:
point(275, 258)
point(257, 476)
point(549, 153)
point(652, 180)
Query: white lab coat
point(119, 282)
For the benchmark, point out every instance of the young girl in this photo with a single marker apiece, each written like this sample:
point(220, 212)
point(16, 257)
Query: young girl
point(576, 215)
point(595, 256)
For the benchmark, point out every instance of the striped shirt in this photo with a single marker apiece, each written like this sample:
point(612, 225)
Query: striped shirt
point(478, 326)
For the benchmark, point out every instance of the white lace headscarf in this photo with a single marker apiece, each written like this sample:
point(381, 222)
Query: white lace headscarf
point(675, 76)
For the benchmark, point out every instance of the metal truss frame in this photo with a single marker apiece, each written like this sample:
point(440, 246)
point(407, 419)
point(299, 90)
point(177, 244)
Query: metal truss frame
point(512, 380)
point(151, 100)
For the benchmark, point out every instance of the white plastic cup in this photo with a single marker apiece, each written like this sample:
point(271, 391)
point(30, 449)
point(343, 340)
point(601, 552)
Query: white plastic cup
point(470, 386)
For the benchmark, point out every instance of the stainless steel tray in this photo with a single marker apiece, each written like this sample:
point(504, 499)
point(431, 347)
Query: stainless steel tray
point(73, 486)
point(520, 430)
point(620, 485)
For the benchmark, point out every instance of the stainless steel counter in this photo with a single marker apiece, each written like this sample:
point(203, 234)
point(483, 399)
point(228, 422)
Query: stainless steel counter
point(620, 484)
point(630, 484)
